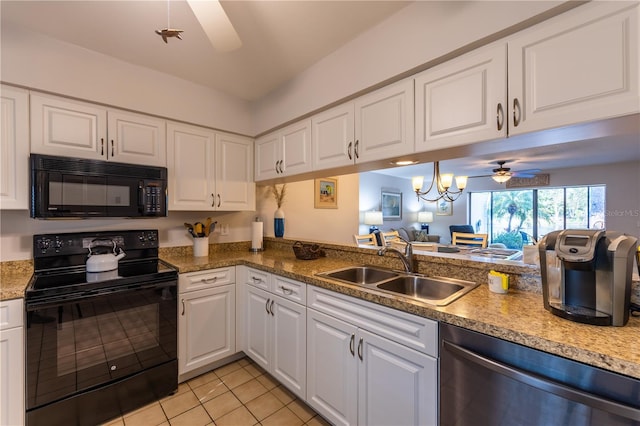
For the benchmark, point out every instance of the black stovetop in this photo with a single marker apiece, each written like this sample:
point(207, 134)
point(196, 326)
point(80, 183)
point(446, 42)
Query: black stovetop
point(59, 263)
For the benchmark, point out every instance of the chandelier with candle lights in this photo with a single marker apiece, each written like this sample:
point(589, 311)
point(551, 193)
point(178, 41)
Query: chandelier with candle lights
point(442, 184)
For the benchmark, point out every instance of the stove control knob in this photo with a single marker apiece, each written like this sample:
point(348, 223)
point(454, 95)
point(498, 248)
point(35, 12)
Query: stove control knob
point(152, 236)
point(57, 245)
point(43, 245)
point(141, 238)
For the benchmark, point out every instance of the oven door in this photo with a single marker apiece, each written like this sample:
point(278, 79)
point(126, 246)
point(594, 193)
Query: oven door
point(90, 355)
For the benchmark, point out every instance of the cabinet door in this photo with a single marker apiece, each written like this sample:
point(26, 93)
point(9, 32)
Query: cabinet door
point(268, 156)
point(580, 66)
point(258, 339)
point(14, 148)
point(190, 164)
point(384, 122)
point(137, 139)
point(463, 100)
point(206, 327)
point(289, 354)
point(396, 385)
point(333, 137)
point(234, 173)
point(68, 128)
point(12, 368)
point(296, 147)
point(332, 381)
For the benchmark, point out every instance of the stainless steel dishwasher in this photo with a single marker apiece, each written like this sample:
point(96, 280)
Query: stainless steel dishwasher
point(489, 381)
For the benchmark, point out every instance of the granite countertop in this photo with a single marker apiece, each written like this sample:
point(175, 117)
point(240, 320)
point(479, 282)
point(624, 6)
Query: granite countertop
point(518, 316)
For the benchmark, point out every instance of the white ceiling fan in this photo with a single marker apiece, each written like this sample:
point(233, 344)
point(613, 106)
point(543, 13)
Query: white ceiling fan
point(214, 22)
point(502, 174)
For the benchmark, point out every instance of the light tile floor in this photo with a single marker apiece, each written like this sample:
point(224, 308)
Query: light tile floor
point(237, 394)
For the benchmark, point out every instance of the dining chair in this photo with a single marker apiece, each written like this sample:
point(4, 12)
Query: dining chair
point(468, 239)
point(365, 240)
point(387, 237)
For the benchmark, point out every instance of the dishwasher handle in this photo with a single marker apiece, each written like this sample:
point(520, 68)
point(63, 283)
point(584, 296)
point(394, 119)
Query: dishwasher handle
point(544, 384)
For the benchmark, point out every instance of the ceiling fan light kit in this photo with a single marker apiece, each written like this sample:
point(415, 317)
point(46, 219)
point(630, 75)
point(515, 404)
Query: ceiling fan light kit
point(443, 184)
point(501, 178)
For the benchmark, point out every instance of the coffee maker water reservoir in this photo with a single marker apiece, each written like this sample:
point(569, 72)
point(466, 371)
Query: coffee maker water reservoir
point(586, 275)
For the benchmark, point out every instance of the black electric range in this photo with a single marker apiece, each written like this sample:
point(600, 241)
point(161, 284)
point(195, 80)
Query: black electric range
point(99, 344)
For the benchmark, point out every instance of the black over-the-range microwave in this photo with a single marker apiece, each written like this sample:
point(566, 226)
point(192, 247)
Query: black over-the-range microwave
point(63, 187)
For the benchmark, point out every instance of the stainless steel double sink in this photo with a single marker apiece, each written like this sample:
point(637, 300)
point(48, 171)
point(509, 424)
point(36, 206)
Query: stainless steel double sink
point(438, 291)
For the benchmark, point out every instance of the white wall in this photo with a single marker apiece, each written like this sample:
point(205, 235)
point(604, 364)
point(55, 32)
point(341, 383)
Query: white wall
point(17, 229)
point(415, 35)
point(35, 61)
point(303, 221)
point(371, 186)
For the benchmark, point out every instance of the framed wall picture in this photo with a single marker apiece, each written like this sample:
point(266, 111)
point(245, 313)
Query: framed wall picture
point(445, 208)
point(326, 193)
point(391, 205)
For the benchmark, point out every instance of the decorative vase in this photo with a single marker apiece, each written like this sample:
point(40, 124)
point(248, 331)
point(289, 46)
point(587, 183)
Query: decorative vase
point(278, 223)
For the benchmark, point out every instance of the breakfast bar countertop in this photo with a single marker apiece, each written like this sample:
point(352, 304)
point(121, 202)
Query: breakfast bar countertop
point(518, 316)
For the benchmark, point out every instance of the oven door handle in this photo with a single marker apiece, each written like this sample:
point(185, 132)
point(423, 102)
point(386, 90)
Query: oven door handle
point(543, 384)
point(50, 301)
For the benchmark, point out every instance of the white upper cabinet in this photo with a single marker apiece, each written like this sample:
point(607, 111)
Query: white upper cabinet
point(384, 122)
point(463, 100)
point(71, 128)
point(136, 138)
point(333, 137)
point(375, 126)
point(580, 66)
point(208, 170)
point(284, 152)
point(234, 173)
point(14, 148)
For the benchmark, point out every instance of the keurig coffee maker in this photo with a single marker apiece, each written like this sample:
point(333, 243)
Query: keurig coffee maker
point(586, 275)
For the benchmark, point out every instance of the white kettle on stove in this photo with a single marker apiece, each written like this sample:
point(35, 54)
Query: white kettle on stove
point(103, 262)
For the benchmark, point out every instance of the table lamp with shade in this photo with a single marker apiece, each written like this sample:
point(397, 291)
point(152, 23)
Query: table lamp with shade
point(425, 218)
point(373, 219)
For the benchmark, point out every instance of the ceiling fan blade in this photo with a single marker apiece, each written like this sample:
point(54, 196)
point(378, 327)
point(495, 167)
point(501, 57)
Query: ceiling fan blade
point(480, 176)
point(529, 171)
point(216, 24)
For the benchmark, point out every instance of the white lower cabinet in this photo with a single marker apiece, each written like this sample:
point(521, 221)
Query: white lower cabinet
point(276, 328)
point(368, 364)
point(206, 321)
point(12, 368)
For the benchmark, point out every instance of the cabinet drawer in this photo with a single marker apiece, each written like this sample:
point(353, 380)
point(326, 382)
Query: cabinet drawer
point(11, 314)
point(407, 329)
point(290, 289)
point(206, 279)
point(260, 279)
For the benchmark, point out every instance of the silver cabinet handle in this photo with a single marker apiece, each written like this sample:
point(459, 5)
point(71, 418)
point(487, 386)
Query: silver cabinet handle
point(266, 306)
point(218, 200)
point(209, 280)
point(543, 384)
point(281, 164)
point(286, 290)
point(500, 117)
point(271, 307)
point(349, 150)
point(183, 308)
point(256, 280)
point(360, 349)
point(101, 146)
point(355, 149)
point(352, 342)
point(213, 200)
point(516, 108)
point(112, 149)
